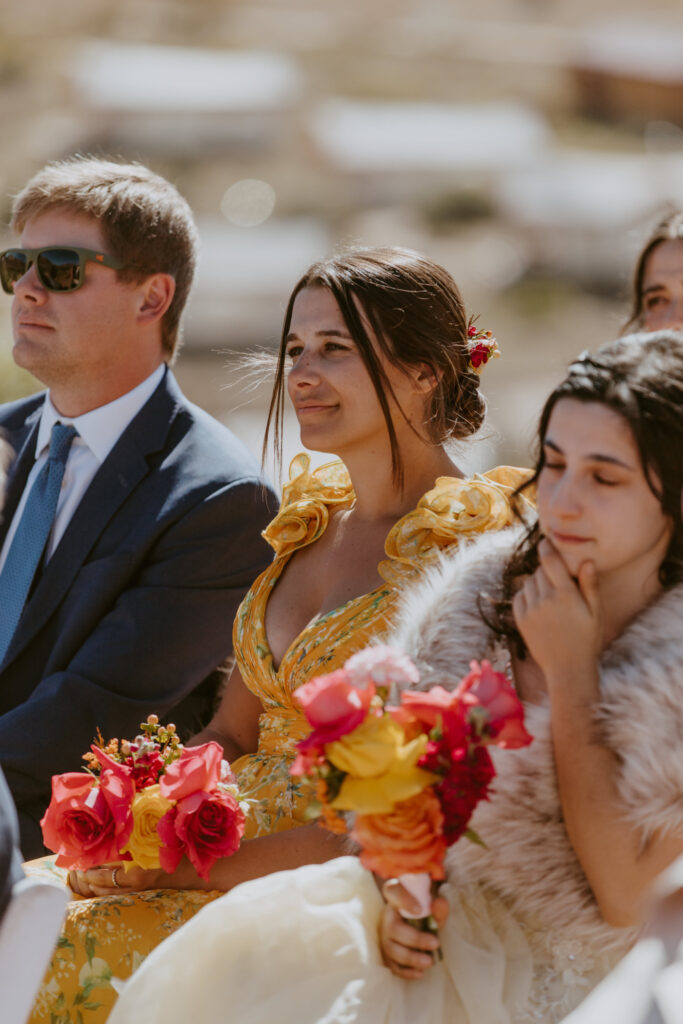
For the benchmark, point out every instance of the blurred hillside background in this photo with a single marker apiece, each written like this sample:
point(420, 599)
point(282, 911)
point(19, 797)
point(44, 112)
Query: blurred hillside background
point(528, 145)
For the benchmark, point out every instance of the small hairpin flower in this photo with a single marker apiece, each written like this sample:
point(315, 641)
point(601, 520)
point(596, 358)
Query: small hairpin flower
point(481, 346)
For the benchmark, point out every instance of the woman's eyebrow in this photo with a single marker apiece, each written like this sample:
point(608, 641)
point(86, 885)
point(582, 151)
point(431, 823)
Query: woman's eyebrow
point(653, 288)
point(592, 456)
point(327, 332)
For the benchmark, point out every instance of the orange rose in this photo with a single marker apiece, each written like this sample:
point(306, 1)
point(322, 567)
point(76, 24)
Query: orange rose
point(408, 840)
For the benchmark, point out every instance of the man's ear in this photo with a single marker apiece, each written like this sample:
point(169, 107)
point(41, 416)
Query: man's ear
point(156, 295)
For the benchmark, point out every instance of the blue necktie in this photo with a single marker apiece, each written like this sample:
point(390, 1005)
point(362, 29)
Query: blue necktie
point(31, 535)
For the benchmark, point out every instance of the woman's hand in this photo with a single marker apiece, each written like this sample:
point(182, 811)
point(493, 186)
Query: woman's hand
point(559, 617)
point(407, 952)
point(114, 880)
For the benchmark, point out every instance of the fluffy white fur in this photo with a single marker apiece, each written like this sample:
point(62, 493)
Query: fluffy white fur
point(528, 858)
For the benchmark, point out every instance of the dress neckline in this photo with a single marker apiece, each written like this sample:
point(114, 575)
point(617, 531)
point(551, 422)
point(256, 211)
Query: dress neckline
point(453, 507)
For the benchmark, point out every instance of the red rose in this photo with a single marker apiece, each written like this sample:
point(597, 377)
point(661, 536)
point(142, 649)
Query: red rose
point(465, 785)
point(438, 707)
point(88, 823)
point(479, 355)
point(333, 707)
point(197, 769)
point(501, 708)
point(205, 826)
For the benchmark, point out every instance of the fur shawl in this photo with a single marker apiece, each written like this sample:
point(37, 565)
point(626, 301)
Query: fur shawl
point(528, 859)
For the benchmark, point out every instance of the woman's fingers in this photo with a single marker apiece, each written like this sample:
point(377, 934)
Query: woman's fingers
point(407, 951)
point(553, 565)
point(398, 897)
point(440, 910)
point(102, 881)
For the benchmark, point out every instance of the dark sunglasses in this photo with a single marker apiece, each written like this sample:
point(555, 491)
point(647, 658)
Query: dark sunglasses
point(59, 268)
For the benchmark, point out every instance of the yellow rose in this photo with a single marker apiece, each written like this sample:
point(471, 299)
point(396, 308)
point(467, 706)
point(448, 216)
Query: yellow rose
point(143, 846)
point(381, 767)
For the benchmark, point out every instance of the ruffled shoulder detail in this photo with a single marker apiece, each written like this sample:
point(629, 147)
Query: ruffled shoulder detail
point(453, 510)
point(306, 499)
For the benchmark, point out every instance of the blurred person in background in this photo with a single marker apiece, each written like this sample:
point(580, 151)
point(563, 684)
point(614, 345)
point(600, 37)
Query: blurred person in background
point(657, 290)
point(581, 608)
point(132, 523)
point(380, 365)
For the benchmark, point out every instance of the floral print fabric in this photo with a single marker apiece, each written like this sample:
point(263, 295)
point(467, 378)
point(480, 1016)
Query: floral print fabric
point(105, 939)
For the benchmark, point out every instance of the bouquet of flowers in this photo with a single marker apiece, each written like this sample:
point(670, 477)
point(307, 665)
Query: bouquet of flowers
point(411, 772)
point(146, 802)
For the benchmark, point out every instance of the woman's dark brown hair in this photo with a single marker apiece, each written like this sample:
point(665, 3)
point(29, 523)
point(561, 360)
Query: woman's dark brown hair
point(640, 377)
point(416, 313)
point(669, 229)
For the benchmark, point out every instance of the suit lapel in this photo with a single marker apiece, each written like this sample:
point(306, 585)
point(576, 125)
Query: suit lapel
point(23, 443)
point(118, 476)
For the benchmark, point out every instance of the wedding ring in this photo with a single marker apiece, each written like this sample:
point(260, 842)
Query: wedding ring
point(113, 878)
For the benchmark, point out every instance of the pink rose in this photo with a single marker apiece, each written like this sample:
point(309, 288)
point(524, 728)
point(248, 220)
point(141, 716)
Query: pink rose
point(197, 768)
point(88, 823)
point(205, 826)
point(381, 665)
point(491, 695)
point(333, 706)
point(438, 706)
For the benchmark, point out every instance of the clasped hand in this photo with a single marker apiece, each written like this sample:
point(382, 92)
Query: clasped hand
point(114, 880)
point(407, 952)
point(559, 616)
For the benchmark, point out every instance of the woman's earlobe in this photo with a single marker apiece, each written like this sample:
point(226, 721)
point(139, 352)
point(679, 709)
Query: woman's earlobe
point(426, 378)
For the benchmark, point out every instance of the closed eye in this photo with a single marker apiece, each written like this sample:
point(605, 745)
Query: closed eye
point(603, 480)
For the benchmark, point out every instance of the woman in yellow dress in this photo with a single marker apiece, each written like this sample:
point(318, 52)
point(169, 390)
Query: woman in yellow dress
point(382, 371)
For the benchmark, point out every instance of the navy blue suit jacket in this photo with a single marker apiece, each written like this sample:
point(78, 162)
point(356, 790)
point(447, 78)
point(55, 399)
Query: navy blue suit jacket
point(135, 608)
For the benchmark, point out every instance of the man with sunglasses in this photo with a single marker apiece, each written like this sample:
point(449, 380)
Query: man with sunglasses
point(132, 523)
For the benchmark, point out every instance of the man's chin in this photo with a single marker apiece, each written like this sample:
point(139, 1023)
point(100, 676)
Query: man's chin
point(30, 357)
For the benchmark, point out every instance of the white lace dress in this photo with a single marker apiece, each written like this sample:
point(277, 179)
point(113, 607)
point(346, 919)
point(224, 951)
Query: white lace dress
point(524, 941)
point(300, 947)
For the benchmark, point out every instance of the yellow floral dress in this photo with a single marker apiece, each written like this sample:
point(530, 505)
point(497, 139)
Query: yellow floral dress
point(105, 939)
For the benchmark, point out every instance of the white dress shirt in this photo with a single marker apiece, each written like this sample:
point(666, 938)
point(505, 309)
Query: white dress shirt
point(98, 432)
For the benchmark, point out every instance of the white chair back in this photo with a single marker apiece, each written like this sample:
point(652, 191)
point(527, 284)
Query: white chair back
point(28, 934)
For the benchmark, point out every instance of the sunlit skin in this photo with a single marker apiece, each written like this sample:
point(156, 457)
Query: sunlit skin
point(92, 345)
point(595, 504)
point(662, 289)
point(605, 537)
point(338, 412)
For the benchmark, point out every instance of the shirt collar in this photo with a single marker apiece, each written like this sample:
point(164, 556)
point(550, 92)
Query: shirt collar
point(100, 428)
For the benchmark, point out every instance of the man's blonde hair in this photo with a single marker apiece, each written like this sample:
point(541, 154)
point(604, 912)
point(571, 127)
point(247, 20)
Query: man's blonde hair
point(145, 221)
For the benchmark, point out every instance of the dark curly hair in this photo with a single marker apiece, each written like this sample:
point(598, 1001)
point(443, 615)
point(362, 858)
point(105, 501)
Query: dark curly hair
point(416, 312)
point(640, 377)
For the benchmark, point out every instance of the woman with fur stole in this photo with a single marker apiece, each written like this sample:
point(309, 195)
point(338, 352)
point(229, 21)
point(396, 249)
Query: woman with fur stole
point(583, 608)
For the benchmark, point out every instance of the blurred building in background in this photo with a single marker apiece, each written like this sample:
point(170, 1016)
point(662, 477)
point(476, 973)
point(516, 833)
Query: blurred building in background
point(527, 146)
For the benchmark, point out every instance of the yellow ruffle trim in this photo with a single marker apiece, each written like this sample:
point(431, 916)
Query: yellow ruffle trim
point(454, 509)
point(451, 510)
point(306, 498)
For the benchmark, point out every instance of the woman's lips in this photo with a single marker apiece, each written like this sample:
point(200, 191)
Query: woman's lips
point(569, 538)
point(302, 410)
